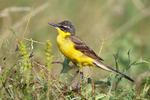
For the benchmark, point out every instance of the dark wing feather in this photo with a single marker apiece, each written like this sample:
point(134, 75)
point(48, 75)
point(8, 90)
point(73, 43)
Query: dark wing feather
point(82, 47)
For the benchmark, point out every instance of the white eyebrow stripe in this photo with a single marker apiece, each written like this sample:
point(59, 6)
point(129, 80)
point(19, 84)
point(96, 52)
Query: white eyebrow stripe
point(66, 26)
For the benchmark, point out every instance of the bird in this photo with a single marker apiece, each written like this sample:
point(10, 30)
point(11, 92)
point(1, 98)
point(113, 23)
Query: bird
point(76, 50)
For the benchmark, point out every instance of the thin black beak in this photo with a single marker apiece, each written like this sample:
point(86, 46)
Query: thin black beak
point(52, 24)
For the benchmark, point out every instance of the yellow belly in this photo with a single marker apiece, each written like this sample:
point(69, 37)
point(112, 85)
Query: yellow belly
point(68, 50)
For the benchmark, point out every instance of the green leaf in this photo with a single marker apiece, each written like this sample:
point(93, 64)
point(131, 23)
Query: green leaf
point(66, 66)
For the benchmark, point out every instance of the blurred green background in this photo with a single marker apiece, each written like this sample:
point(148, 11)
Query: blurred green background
point(113, 25)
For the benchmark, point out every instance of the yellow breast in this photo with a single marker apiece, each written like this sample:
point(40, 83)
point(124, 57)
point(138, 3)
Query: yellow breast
point(66, 46)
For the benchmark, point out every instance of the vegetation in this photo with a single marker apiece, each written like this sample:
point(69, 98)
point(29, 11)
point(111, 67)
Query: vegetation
point(32, 69)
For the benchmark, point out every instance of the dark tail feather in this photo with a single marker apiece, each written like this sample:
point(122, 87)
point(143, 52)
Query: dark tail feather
point(121, 74)
point(101, 65)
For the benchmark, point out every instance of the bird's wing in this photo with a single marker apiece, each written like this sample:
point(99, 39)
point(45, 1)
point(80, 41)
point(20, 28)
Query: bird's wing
point(82, 47)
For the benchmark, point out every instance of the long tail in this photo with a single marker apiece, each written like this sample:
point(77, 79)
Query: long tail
point(101, 65)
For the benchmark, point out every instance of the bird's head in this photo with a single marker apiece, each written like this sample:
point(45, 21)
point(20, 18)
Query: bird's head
point(64, 27)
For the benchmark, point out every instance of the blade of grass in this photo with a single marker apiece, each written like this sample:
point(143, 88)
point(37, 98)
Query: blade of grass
point(28, 21)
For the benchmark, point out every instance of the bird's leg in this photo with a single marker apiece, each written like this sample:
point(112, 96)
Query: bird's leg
point(80, 72)
point(79, 80)
point(80, 77)
point(74, 78)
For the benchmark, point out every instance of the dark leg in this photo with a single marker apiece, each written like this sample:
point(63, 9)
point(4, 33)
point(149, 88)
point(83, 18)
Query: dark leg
point(80, 72)
point(74, 78)
point(79, 80)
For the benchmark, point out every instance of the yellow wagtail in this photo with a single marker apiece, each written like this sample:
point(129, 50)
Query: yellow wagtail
point(77, 51)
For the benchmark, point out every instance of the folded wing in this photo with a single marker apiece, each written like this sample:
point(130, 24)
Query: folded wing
point(82, 47)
